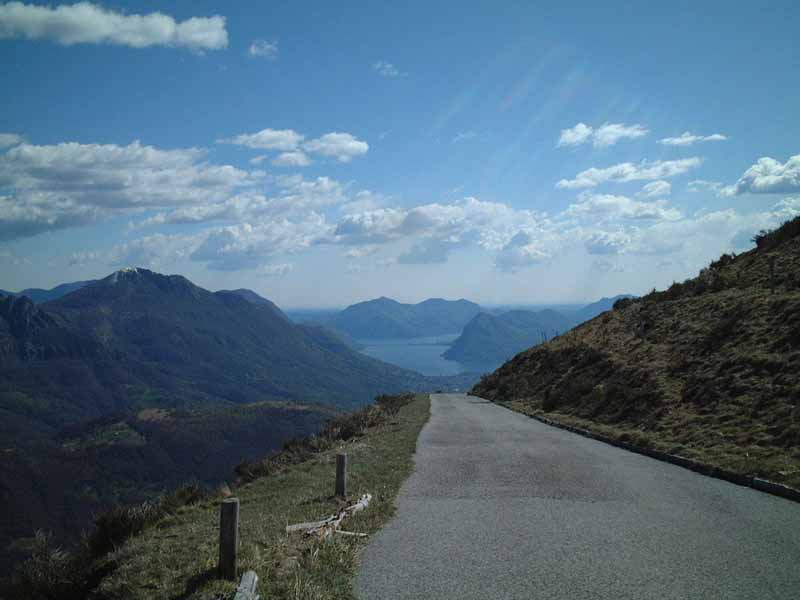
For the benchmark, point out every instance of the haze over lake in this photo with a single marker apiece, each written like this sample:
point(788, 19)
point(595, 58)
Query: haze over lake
point(422, 354)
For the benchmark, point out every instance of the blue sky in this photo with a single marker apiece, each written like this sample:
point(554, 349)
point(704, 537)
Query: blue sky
point(321, 154)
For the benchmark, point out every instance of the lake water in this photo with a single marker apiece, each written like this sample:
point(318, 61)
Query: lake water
point(423, 355)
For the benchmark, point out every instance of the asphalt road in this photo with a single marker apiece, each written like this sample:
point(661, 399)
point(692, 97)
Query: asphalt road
point(502, 506)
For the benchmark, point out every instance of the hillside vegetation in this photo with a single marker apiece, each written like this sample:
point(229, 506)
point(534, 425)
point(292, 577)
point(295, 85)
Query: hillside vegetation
point(141, 381)
point(168, 548)
point(707, 368)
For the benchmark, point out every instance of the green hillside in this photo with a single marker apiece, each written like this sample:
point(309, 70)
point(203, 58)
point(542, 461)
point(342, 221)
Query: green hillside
point(707, 368)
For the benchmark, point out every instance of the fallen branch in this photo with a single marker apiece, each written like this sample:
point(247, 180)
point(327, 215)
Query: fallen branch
point(324, 528)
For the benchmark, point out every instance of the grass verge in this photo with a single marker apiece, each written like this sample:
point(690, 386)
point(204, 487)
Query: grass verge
point(177, 557)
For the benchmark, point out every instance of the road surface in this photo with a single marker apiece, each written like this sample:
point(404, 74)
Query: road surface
point(502, 506)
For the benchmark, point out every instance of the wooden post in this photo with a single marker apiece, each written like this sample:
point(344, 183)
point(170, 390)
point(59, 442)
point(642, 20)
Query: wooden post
point(228, 537)
point(341, 474)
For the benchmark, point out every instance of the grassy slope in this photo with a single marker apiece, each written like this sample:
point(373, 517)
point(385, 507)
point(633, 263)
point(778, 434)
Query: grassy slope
point(708, 369)
point(177, 559)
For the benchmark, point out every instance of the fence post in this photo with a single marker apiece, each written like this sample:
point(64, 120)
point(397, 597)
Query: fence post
point(341, 474)
point(228, 537)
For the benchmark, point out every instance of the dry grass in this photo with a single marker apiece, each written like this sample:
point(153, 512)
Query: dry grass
point(177, 558)
point(707, 369)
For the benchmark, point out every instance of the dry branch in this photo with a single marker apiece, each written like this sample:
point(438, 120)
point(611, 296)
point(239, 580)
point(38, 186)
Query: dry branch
point(324, 528)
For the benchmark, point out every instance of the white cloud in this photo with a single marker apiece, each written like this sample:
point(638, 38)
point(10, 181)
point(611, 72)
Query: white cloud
point(464, 136)
point(523, 250)
point(267, 139)
point(257, 160)
point(278, 270)
point(87, 23)
point(768, 176)
point(71, 184)
point(604, 136)
point(368, 227)
point(291, 159)
point(10, 139)
point(264, 49)
point(604, 207)
point(575, 136)
point(624, 172)
point(655, 189)
point(687, 139)
point(702, 185)
point(386, 69)
point(342, 146)
point(152, 250)
point(608, 242)
point(609, 134)
point(247, 245)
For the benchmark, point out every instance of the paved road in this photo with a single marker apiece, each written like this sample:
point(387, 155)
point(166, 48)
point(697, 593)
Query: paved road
point(502, 506)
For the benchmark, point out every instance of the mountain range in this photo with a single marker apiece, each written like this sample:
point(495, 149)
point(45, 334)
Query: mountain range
point(125, 385)
point(384, 318)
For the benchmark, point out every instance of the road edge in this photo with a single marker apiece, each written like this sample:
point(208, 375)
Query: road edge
point(756, 483)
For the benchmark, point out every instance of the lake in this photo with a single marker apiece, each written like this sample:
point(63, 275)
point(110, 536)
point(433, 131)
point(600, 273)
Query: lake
point(423, 355)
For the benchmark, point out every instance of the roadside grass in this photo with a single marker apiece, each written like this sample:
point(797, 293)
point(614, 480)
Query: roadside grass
point(736, 448)
point(177, 558)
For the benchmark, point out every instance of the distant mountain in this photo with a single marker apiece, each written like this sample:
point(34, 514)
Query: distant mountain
point(38, 295)
point(120, 387)
point(387, 318)
point(493, 339)
point(590, 311)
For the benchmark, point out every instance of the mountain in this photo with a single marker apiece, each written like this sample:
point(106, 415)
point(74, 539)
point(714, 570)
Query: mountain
point(492, 339)
point(38, 295)
point(384, 318)
point(708, 368)
point(138, 380)
point(254, 298)
point(590, 311)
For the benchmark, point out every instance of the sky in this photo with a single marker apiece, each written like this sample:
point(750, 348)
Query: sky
point(325, 153)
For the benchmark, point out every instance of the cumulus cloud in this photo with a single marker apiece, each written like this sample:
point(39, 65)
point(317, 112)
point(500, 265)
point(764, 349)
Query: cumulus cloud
point(608, 242)
point(291, 159)
point(602, 207)
point(70, 184)
point(687, 139)
point(604, 136)
point(655, 189)
point(247, 245)
point(87, 23)
point(768, 176)
point(10, 139)
point(575, 136)
point(341, 146)
point(624, 172)
point(524, 249)
point(702, 185)
point(267, 139)
point(386, 69)
point(152, 250)
point(264, 49)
